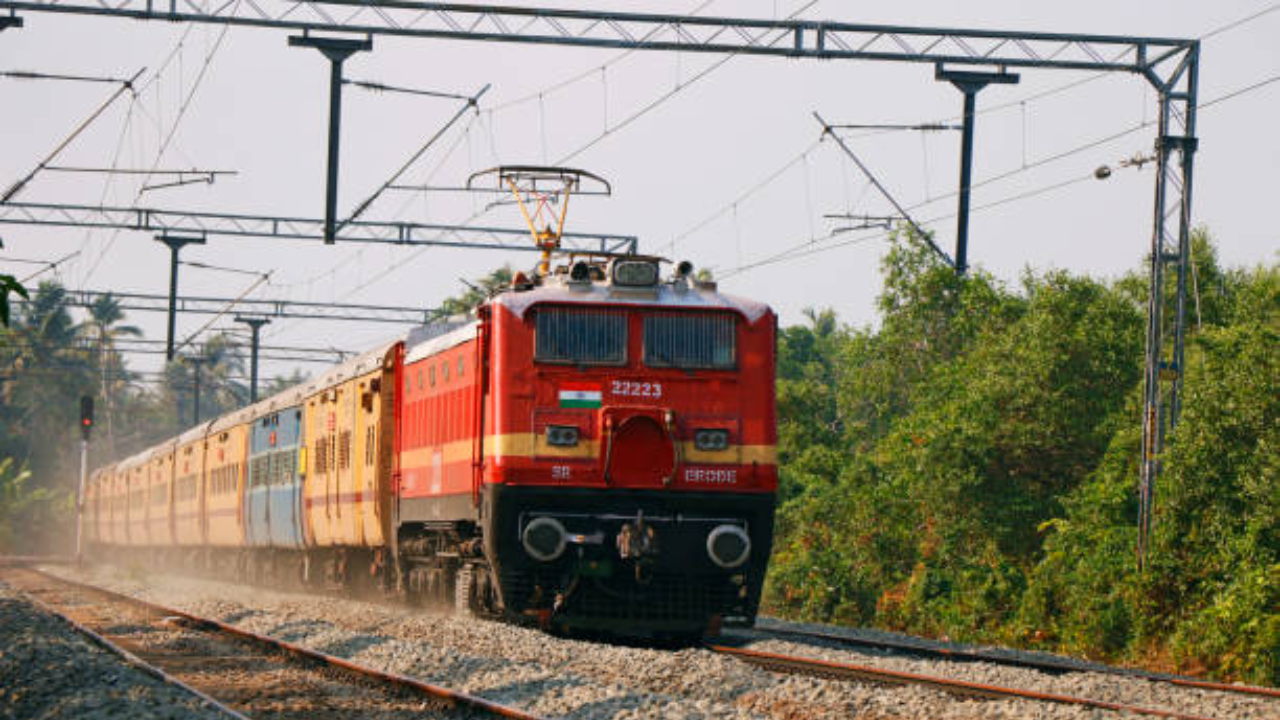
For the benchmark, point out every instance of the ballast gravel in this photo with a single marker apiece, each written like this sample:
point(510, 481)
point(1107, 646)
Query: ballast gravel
point(569, 678)
point(48, 670)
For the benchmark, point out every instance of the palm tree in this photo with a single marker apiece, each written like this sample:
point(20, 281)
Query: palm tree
point(224, 370)
point(47, 370)
point(220, 364)
point(103, 329)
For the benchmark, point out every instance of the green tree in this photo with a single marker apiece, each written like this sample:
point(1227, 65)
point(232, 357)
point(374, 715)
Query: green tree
point(44, 370)
point(219, 362)
point(30, 517)
point(9, 285)
point(476, 293)
point(282, 383)
point(103, 328)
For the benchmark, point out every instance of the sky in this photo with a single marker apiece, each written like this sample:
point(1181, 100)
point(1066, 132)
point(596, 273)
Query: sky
point(713, 160)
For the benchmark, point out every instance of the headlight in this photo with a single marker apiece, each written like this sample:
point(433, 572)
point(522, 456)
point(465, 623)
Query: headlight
point(728, 546)
point(711, 439)
point(562, 435)
point(635, 273)
point(544, 539)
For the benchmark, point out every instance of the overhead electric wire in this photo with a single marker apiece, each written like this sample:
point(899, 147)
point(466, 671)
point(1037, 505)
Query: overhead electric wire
point(277, 330)
point(173, 129)
point(827, 132)
point(89, 350)
point(219, 268)
point(811, 247)
point(751, 190)
point(635, 116)
point(498, 108)
point(805, 249)
point(1237, 23)
point(383, 87)
point(609, 131)
point(229, 332)
point(648, 107)
point(17, 186)
point(53, 368)
point(584, 75)
point(1020, 102)
point(51, 266)
point(471, 103)
point(31, 75)
point(922, 127)
point(223, 311)
point(27, 261)
point(174, 53)
point(1238, 92)
point(135, 171)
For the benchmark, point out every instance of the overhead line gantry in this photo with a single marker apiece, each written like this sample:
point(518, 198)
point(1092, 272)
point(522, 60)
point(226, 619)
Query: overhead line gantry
point(294, 309)
point(1170, 65)
point(202, 224)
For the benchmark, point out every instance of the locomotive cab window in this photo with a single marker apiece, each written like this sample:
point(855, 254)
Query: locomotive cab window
point(580, 337)
point(691, 341)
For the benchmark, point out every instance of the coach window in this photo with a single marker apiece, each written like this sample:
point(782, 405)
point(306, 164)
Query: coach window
point(431, 374)
point(444, 371)
point(462, 363)
point(573, 336)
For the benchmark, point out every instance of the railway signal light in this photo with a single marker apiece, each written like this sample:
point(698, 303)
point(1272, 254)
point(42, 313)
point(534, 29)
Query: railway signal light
point(86, 416)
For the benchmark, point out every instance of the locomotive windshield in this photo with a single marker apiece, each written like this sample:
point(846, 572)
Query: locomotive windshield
point(580, 337)
point(690, 341)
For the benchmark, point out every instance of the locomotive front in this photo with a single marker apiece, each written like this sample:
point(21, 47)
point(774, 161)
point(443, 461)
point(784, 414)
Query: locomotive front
point(629, 481)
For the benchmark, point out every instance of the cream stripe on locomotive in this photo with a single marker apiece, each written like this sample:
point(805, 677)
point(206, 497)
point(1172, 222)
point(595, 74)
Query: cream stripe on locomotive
point(533, 445)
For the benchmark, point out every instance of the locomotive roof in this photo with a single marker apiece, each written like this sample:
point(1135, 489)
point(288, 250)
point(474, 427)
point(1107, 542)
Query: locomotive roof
point(665, 295)
point(452, 335)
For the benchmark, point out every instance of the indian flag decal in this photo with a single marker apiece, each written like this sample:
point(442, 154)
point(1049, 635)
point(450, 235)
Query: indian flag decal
point(581, 395)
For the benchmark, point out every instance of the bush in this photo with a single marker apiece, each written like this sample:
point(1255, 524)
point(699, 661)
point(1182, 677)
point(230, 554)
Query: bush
point(969, 468)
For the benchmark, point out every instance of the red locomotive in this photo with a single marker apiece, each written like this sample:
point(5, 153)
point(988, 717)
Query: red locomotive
point(595, 449)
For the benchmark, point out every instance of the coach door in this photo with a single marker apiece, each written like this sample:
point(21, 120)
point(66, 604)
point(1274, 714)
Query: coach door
point(257, 526)
point(285, 491)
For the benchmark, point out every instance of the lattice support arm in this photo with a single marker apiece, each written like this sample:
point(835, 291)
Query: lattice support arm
point(647, 31)
point(229, 225)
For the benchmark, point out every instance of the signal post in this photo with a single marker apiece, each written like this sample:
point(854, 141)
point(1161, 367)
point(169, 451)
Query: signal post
point(86, 425)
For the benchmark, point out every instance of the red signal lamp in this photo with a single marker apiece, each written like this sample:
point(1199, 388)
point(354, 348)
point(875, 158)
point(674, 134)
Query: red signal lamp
point(86, 415)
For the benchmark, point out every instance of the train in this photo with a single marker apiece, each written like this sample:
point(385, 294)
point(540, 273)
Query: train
point(593, 448)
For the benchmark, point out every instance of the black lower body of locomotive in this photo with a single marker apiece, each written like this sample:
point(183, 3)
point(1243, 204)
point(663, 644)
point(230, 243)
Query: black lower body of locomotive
point(667, 584)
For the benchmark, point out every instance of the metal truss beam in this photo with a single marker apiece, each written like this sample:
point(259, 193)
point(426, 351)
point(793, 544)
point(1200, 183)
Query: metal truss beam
point(646, 31)
point(209, 224)
point(145, 302)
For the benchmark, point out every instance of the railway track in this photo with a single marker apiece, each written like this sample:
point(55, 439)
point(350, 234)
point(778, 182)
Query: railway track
point(1042, 665)
point(1087, 695)
point(847, 671)
point(240, 673)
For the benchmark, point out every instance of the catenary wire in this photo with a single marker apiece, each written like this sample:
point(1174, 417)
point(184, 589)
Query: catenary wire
point(804, 249)
point(1019, 102)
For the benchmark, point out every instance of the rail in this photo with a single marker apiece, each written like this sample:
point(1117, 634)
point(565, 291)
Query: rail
point(284, 648)
point(848, 671)
point(1044, 665)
